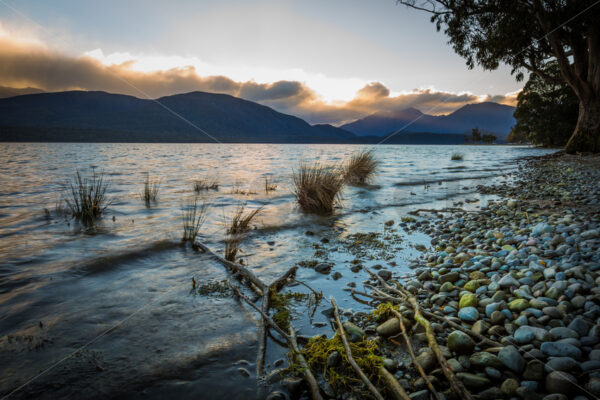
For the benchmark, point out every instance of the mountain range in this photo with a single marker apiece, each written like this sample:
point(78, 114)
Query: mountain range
point(94, 116)
point(487, 116)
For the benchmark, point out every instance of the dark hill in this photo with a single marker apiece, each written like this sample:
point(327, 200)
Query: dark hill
point(101, 116)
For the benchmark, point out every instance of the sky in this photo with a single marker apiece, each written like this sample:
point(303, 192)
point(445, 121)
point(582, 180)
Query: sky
point(327, 61)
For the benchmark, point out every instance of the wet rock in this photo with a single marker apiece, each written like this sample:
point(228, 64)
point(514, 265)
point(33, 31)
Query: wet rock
point(580, 326)
point(518, 305)
point(323, 268)
point(512, 359)
point(534, 371)
point(389, 328)
point(468, 300)
point(427, 360)
point(334, 359)
point(484, 359)
point(560, 382)
point(276, 395)
point(468, 314)
point(244, 372)
point(336, 275)
point(561, 364)
point(460, 343)
point(559, 349)
point(355, 334)
point(473, 381)
point(385, 274)
point(293, 385)
point(420, 395)
point(508, 281)
point(451, 277)
point(509, 387)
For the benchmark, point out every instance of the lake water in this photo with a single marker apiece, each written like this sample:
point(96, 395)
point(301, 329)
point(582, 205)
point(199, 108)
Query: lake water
point(122, 293)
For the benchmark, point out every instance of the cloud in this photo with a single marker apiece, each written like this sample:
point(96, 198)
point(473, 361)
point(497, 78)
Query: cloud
point(32, 64)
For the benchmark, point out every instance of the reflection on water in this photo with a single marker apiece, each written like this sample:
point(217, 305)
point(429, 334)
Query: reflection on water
point(61, 287)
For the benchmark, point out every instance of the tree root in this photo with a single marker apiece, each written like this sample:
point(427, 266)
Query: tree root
point(290, 338)
point(413, 357)
point(353, 363)
point(397, 392)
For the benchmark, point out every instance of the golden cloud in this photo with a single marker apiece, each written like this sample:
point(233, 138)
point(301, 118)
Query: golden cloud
point(31, 64)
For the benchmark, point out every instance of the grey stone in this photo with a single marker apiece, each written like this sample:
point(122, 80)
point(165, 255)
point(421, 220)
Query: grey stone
point(510, 357)
point(558, 349)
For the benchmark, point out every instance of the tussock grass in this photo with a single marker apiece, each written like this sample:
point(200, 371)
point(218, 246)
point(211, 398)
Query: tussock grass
point(361, 167)
point(457, 157)
point(238, 189)
point(239, 226)
point(270, 186)
point(86, 197)
point(317, 188)
point(206, 184)
point(151, 187)
point(193, 215)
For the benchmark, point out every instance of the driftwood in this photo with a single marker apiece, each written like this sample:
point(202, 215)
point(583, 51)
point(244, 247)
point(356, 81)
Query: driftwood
point(277, 285)
point(413, 357)
point(455, 384)
point(290, 338)
point(353, 363)
point(396, 391)
point(469, 332)
point(259, 287)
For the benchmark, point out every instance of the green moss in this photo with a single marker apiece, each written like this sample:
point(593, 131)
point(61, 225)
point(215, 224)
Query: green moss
point(408, 219)
point(308, 264)
point(372, 245)
point(215, 288)
point(281, 302)
point(341, 376)
point(384, 311)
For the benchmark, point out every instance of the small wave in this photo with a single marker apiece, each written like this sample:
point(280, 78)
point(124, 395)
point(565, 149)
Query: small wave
point(106, 263)
point(449, 179)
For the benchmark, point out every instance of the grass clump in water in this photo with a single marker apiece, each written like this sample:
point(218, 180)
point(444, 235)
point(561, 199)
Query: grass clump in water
point(361, 168)
point(457, 157)
point(341, 376)
point(193, 215)
point(270, 186)
point(317, 188)
point(86, 197)
point(206, 184)
point(150, 193)
point(238, 228)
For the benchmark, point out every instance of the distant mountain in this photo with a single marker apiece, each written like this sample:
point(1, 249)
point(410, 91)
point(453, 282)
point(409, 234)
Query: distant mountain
point(487, 116)
point(101, 117)
point(10, 91)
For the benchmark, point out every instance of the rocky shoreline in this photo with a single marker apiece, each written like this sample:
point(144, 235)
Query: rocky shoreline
point(524, 273)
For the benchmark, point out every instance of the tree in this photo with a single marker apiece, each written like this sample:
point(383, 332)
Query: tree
point(526, 34)
point(488, 138)
point(476, 133)
point(546, 112)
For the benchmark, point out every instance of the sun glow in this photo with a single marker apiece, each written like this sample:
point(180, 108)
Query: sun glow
point(328, 89)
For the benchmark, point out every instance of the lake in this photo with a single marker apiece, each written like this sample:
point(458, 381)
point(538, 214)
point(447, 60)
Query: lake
point(122, 294)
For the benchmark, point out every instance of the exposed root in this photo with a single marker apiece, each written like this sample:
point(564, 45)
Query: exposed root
point(359, 371)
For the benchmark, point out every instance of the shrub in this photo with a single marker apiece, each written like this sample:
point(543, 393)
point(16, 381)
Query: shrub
point(193, 215)
point(361, 167)
point(239, 226)
point(317, 188)
point(456, 157)
point(86, 197)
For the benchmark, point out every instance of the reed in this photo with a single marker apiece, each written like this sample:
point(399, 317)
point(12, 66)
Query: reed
point(270, 186)
point(239, 226)
point(86, 197)
point(206, 184)
point(150, 193)
point(193, 216)
point(318, 188)
point(361, 167)
point(456, 157)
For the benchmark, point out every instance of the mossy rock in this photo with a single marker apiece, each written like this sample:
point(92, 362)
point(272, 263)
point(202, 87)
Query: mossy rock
point(518, 305)
point(468, 300)
point(471, 286)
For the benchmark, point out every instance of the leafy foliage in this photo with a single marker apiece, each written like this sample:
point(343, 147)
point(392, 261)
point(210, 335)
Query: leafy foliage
point(546, 112)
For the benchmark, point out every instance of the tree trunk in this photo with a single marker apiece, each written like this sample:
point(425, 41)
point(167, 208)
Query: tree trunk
point(586, 137)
